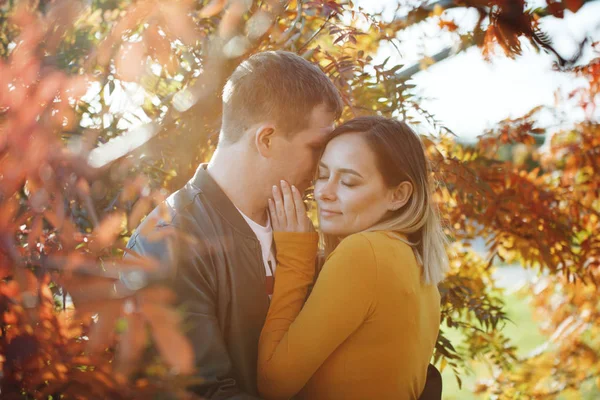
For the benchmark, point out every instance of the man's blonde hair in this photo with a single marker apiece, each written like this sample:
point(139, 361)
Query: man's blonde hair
point(278, 86)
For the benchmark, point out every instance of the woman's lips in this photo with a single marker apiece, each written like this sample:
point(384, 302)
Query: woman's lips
point(329, 213)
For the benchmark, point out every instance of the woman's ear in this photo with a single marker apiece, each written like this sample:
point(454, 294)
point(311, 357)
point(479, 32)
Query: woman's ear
point(400, 195)
point(263, 139)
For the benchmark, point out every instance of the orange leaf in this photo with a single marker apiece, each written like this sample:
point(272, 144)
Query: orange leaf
point(231, 19)
point(179, 22)
point(75, 87)
point(212, 8)
point(132, 188)
point(7, 212)
point(35, 232)
point(48, 88)
point(84, 289)
point(102, 331)
point(107, 232)
point(131, 345)
point(173, 346)
point(129, 62)
point(156, 294)
point(158, 46)
point(141, 208)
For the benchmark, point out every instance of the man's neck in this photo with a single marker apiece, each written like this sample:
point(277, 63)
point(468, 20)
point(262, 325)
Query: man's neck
point(239, 183)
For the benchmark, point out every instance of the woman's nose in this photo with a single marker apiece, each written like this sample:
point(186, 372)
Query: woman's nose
point(326, 192)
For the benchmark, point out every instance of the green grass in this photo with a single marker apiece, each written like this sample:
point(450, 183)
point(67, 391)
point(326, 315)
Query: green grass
point(525, 335)
point(522, 331)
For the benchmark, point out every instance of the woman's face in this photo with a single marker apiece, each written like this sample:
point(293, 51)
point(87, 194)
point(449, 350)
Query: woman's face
point(350, 191)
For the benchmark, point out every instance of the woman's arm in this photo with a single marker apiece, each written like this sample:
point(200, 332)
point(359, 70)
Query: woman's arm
point(296, 340)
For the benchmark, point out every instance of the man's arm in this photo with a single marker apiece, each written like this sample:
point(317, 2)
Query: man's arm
point(192, 278)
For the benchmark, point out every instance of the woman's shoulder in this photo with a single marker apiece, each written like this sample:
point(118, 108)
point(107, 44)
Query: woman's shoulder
point(360, 240)
point(375, 239)
point(357, 246)
point(366, 243)
point(370, 244)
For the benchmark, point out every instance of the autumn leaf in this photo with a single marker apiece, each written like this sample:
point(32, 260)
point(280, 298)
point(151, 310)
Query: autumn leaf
point(141, 208)
point(102, 330)
point(107, 232)
point(573, 5)
point(131, 344)
point(130, 61)
point(179, 23)
point(213, 8)
point(173, 346)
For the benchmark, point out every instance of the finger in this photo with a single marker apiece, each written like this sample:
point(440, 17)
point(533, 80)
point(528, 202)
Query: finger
point(300, 209)
point(273, 215)
point(279, 207)
point(288, 204)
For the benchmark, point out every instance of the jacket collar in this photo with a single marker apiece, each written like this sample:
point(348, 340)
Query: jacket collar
point(219, 200)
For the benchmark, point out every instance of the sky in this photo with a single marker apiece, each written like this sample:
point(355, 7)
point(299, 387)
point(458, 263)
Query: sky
point(468, 94)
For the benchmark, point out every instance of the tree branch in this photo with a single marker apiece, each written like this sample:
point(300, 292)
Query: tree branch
point(448, 52)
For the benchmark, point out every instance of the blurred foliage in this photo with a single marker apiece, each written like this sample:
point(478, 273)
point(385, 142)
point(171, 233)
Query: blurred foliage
point(107, 107)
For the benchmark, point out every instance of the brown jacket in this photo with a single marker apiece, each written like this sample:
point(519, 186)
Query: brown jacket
point(215, 266)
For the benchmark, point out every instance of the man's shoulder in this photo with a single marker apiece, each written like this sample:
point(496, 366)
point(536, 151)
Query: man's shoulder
point(181, 212)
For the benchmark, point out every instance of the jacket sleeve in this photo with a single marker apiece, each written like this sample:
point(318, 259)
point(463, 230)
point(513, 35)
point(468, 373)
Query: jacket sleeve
point(189, 273)
point(297, 339)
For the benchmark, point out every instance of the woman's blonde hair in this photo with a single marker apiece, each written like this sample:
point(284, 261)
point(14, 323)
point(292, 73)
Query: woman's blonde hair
point(400, 156)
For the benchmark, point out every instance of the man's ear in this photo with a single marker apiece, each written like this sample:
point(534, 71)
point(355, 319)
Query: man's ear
point(263, 139)
point(400, 195)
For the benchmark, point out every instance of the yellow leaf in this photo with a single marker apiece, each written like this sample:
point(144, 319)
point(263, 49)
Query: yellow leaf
point(443, 364)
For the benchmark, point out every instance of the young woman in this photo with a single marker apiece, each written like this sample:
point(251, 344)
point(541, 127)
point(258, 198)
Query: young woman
point(370, 324)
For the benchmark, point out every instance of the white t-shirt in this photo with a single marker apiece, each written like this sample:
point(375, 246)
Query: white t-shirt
point(265, 237)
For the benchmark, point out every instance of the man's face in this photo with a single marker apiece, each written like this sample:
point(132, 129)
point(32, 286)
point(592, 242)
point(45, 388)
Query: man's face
point(297, 156)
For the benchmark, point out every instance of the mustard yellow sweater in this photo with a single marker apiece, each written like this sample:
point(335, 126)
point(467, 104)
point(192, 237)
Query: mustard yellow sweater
point(367, 331)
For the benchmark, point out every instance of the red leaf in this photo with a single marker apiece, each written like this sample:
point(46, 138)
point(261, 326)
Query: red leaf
point(573, 5)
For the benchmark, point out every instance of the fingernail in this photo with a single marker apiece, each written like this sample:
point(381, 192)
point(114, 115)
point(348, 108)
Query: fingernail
point(283, 183)
point(294, 188)
point(274, 188)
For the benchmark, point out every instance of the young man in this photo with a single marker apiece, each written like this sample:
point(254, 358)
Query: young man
point(278, 110)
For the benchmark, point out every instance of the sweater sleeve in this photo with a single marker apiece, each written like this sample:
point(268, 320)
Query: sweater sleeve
point(296, 340)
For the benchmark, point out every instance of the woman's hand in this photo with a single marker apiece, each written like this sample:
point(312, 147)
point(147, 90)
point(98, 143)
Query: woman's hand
point(287, 210)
